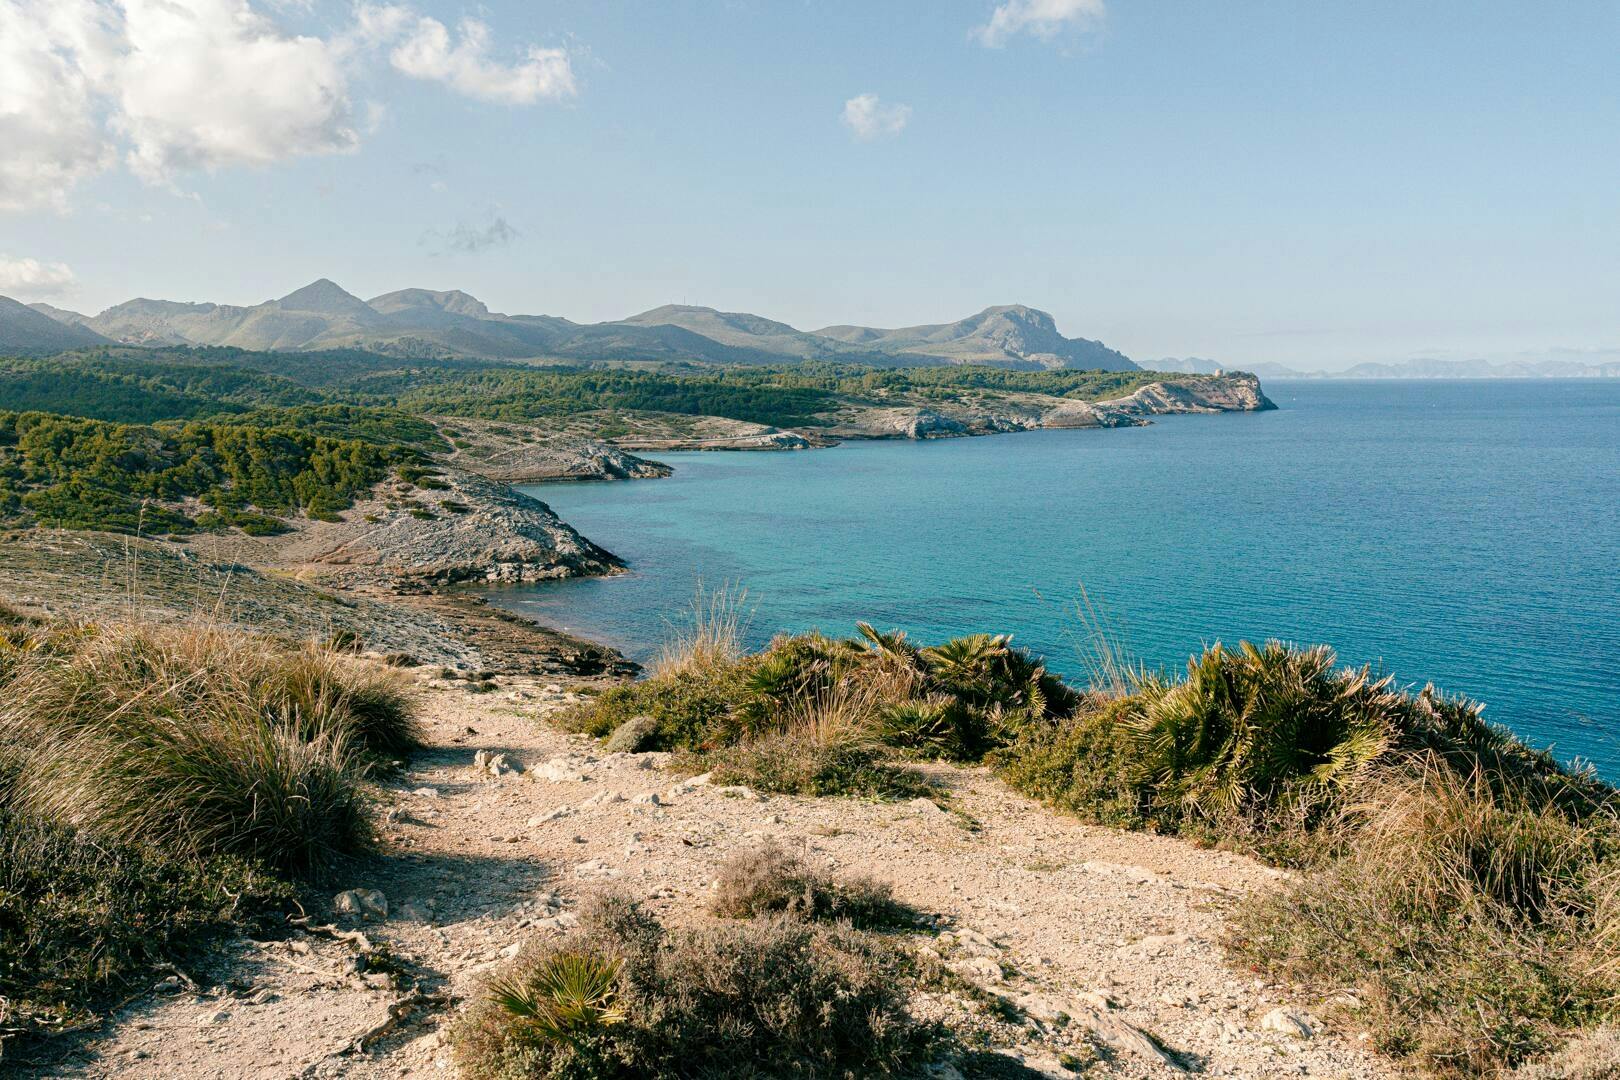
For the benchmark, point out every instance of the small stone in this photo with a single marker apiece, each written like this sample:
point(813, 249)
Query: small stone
point(502, 764)
point(602, 799)
point(1289, 1022)
point(649, 798)
point(559, 770)
point(552, 815)
point(702, 779)
point(361, 903)
point(213, 1016)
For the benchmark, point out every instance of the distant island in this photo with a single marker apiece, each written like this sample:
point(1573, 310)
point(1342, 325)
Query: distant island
point(424, 324)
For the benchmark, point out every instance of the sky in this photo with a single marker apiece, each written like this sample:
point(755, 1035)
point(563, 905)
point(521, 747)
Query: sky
point(1311, 184)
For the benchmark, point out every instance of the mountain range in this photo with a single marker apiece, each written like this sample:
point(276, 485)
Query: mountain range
point(1426, 368)
point(422, 323)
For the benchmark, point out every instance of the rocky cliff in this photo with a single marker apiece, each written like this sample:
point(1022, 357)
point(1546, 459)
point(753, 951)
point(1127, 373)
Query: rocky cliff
point(470, 530)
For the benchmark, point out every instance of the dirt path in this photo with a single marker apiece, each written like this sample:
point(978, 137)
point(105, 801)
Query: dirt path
point(1051, 913)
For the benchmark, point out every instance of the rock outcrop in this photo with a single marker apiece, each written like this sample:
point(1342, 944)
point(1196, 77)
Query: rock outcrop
point(521, 453)
point(469, 530)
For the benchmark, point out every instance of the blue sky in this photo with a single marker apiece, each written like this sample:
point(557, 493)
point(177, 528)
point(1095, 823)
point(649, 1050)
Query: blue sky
point(1304, 183)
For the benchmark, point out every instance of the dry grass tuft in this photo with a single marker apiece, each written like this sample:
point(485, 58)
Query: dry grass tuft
point(1466, 921)
point(710, 635)
point(199, 741)
point(769, 880)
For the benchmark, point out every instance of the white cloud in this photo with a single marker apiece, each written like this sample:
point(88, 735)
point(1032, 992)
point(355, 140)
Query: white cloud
point(1042, 18)
point(179, 85)
point(465, 64)
point(869, 118)
point(54, 60)
point(210, 83)
point(30, 277)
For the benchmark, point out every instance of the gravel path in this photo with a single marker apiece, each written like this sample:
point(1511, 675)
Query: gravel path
point(1118, 931)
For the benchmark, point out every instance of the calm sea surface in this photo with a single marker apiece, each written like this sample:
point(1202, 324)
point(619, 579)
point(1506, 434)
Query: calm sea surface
point(1466, 533)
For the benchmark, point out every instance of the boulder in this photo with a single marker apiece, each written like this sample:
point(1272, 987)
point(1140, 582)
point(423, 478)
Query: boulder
point(632, 736)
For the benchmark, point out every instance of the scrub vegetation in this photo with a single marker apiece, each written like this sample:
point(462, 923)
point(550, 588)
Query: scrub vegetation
point(1457, 892)
point(160, 785)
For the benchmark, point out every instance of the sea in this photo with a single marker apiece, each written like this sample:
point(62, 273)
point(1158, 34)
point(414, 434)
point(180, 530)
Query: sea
point(1460, 533)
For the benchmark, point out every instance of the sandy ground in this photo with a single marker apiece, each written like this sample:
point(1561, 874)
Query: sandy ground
point(1115, 929)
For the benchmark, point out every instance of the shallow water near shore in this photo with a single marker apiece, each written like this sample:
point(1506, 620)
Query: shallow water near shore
point(1466, 533)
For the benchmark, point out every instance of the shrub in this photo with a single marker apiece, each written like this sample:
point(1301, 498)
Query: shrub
point(202, 741)
point(955, 700)
point(821, 749)
point(689, 706)
point(1081, 764)
point(768, 880)
point(80, 919)
point(766, 998)
point(1465, 921)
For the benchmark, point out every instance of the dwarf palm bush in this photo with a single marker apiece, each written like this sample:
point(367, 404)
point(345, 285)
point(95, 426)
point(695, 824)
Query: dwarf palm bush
point(1261, 724)
point(769, 997)
point(566, 997)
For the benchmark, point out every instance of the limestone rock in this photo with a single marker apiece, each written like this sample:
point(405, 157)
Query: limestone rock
point(1289, 1022)
point(361, 904)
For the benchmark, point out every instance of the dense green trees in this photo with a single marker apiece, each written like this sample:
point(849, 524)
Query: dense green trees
point(78, 473)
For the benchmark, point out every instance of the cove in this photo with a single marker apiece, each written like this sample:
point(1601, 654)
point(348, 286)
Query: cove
point(1465, 533)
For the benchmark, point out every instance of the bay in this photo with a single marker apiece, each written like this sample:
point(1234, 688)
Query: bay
point(1460, 532)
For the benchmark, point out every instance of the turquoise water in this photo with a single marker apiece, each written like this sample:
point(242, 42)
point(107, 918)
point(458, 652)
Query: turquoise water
point(1462, 532)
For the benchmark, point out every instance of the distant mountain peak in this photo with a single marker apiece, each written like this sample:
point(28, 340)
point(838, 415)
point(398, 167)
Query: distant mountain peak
point(325, 296)
point(453, 301)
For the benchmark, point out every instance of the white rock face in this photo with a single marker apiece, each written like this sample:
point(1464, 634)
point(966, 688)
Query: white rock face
point(471, 529)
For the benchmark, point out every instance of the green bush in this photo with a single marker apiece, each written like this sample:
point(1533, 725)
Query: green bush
point(773, 997)
point(806, 761)
point(81, 918)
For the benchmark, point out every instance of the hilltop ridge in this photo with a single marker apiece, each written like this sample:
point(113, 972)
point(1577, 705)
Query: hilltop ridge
point(452, 323)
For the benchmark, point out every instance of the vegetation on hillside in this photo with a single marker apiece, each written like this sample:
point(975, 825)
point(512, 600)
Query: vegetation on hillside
point(76, 473)
point(140, 390)
point(1461, 886)
point(161, 785)
point(146, 386)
